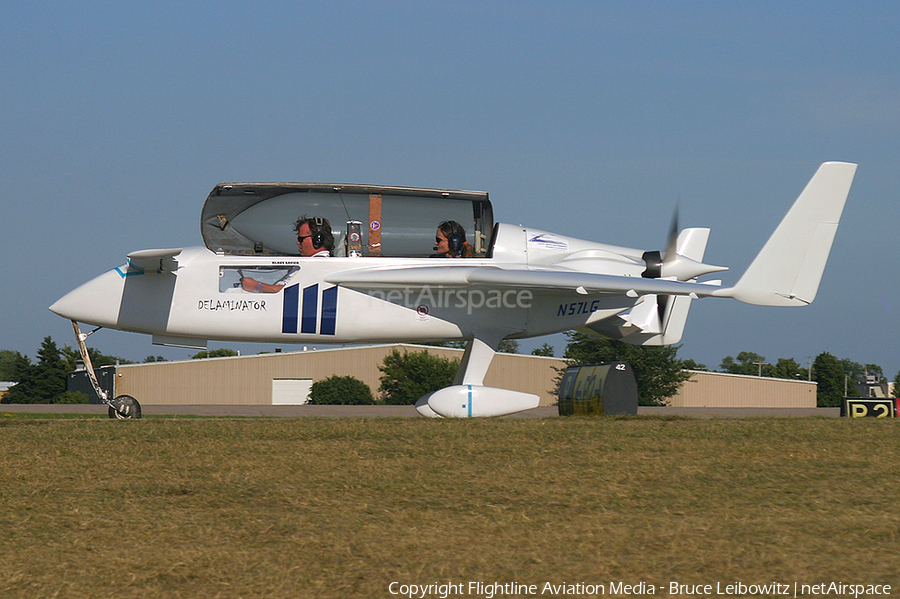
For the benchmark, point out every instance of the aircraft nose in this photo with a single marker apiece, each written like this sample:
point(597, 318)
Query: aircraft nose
point(96, 302)
point(67, 306)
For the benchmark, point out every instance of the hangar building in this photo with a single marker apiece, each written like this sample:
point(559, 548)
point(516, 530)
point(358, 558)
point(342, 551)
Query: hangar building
point(723, 390)
point(286, 378)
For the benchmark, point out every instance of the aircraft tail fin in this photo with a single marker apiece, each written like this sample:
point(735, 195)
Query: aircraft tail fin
point(788, 269)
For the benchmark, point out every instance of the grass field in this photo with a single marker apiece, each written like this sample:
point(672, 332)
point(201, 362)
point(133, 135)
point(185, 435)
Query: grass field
point(293, 508)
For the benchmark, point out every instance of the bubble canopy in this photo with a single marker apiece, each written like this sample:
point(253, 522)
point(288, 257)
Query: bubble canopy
point(258, 218)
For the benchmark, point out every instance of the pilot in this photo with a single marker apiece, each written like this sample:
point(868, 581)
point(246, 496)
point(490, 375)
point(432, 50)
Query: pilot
point(314, 239)
point(314, 236)
point(450, 241)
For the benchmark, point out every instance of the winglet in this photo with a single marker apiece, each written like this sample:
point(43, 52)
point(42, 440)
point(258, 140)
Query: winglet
point(788, 269)
point(154, 260)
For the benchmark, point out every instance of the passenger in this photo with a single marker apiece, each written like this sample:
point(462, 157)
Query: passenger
point(450, 241)
point(314, 239)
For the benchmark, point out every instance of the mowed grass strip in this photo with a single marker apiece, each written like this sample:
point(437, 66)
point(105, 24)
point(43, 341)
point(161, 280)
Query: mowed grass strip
point(343, 507)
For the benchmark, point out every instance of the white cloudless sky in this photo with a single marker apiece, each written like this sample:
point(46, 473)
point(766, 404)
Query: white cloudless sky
point(589, 119)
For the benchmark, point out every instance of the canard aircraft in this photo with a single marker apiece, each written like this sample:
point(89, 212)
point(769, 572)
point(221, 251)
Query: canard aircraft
point(384, 284)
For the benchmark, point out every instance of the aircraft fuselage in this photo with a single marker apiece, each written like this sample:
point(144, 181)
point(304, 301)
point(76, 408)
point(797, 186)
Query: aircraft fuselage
point(202, 299)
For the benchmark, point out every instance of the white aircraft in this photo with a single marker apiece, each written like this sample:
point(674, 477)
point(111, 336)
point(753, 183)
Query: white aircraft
point(383, 283)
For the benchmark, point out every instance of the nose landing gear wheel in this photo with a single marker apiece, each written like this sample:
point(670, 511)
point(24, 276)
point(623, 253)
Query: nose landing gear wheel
point(124, 407)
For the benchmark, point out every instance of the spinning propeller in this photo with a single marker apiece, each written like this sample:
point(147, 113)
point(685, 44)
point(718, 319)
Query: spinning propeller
point(655, 260)
point(670, 264)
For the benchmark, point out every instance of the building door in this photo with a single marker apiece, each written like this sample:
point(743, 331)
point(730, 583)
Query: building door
point(290, 392)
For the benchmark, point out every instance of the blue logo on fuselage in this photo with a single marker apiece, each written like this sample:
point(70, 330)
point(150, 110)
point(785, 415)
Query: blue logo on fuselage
point(306, 319)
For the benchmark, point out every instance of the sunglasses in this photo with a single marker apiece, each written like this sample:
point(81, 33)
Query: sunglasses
point(300, 238)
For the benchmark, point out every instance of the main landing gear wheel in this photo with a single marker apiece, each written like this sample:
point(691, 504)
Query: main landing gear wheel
point(124, 407)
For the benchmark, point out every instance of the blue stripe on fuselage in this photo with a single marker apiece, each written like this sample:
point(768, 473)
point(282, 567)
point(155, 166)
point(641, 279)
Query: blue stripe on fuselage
point(291, 306)
point(329, 311)
point(310, 308)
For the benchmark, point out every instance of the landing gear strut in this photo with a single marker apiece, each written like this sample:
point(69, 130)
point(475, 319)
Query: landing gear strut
point(123, 407)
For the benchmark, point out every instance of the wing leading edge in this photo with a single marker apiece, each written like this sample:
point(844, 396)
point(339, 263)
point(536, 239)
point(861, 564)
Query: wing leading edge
point(553, 280)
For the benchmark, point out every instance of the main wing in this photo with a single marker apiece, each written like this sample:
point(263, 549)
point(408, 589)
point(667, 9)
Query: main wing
point(548, 279)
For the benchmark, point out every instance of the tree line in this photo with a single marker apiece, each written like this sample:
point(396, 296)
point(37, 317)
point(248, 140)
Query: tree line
point(659, 372)
point(410, 375)
point(836, 378)
point(44, 381)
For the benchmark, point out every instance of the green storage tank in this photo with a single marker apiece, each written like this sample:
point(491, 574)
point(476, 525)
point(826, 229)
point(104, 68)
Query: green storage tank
point(598, 389)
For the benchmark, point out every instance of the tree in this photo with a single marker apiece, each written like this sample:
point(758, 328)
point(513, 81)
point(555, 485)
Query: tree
point(51, 371)
point(657, 370)
point(72, 356)
point(829, 376)
point(508, 346)
point(72, 397)
point(410, 375)
point(340, 391)
point(857, 372)
point(42, 382)
point(8, 359)
point(16, 366)
point(875, 369)
point(22, 372)
point(787, 368)
point(544, 350)
point(222, 352)
point(45, 382)
point(455, 344)
point(747, 363)
point(753, 364)
point(691, 364)
point(854, 370)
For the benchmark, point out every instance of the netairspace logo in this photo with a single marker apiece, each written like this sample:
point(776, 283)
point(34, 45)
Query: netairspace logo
point(468, 299)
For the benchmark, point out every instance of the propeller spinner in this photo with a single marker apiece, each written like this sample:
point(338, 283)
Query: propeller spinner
point(671, 264)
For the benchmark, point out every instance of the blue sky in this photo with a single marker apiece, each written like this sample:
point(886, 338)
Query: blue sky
point(589, 119)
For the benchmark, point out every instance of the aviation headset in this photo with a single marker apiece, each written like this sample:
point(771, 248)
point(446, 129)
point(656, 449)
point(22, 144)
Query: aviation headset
point(457, 236)
point(318, 238)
